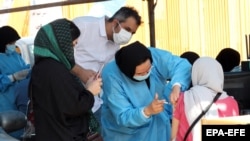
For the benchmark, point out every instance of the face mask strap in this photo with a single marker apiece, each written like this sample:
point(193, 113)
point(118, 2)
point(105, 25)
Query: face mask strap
point(122, 37)
point(117, 25)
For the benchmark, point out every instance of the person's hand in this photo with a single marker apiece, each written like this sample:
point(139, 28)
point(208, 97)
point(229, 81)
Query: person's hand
point(86, 75)
point(155, 107)
point(20, 75)
point(175, 94)
point(94, 85)
point(83, 74)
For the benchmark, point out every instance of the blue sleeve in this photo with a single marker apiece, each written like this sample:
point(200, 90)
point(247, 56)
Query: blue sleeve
point(117, 99)
point(21, 93)
point(6, 69)
point(4, 82)
point(17, 64)
point(172, 67)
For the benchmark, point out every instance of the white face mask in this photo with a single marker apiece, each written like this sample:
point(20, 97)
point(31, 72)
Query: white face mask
point(121, 37)
point(10, 48)
point(142, 77)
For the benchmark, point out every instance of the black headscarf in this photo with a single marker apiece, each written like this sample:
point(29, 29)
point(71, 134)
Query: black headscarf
point(228, 58)
point(190, 56)
point(7, 35)
point(130, 56)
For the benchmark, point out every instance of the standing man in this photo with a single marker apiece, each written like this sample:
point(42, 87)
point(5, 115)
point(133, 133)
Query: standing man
point(99, 40)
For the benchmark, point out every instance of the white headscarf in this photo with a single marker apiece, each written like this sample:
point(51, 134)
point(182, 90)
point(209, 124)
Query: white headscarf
point(207, 80)
point(25, 44)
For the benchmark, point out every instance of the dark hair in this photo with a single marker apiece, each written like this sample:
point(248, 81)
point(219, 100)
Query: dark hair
point(74, 31)
point(190, 56)
point(125, 12)
point(7, 35)
point(228, 58)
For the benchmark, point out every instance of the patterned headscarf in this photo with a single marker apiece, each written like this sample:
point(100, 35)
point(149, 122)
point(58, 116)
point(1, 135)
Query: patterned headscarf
point(55, 40)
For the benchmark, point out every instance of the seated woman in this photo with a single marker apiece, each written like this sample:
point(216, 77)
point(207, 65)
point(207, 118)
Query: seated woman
point(207, 83)
point(13, 70)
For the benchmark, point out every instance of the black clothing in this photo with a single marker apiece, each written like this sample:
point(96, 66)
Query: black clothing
point(61, 103)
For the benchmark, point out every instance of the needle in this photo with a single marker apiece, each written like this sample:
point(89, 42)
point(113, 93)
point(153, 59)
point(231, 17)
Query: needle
point(165, 102)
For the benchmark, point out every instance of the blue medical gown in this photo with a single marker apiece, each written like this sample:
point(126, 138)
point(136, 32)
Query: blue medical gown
point(124, 99)
point(9, 64)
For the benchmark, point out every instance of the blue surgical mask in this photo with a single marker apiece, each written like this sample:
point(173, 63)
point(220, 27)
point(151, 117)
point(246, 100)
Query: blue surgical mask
point(142, 77)
point(10, 48)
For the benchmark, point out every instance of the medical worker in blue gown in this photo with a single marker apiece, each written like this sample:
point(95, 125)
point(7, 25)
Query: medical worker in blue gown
point(13, 69)
point(134, 106)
